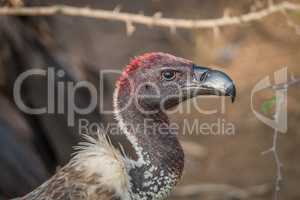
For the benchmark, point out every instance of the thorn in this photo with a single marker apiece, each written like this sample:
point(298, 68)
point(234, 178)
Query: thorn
point(267, 151)
point(157, 15)
point(117, 9)
point(173, 29)
point(216, 31)
point(130, 28)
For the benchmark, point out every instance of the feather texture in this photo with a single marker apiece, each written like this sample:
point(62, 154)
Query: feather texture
point(97, 171)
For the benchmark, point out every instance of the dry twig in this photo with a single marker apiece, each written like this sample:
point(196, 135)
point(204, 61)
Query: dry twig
point(156, 20)
point(275, 153)
point(274, 148)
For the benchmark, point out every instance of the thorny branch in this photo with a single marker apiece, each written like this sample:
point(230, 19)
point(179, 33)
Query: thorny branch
point(274, 151)
point(157, 20)
point(274, 147)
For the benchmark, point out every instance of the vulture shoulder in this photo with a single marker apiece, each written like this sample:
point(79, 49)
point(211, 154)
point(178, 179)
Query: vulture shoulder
point(96, 172)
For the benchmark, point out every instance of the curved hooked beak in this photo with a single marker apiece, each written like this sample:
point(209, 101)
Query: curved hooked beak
point(212, 82)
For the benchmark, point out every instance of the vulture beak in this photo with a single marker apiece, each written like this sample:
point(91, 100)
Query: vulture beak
point(212, 82)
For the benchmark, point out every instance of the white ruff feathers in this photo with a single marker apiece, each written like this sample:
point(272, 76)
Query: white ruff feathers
point(99, 157)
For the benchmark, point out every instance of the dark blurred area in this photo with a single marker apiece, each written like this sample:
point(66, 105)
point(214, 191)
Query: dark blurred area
point(33, 146)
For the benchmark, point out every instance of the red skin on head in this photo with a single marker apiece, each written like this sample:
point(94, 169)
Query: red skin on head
point(136, 62)
point(134, 65)
point(146, 60)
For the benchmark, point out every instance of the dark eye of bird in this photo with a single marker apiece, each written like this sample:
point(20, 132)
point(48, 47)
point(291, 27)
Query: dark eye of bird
point(168, 75)
point(204, 76)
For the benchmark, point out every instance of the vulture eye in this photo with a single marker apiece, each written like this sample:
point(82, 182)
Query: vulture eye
point(168, 75)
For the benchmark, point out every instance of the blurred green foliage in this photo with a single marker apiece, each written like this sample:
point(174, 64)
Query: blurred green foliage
point(267, 105)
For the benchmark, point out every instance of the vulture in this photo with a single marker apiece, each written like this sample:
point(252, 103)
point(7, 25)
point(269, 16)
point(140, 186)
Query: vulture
point(149, 85)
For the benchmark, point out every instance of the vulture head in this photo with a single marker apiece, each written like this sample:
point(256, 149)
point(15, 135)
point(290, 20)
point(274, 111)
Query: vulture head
point(157, 81)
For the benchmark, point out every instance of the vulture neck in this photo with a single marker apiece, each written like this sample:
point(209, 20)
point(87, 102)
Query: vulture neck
point(158, 160)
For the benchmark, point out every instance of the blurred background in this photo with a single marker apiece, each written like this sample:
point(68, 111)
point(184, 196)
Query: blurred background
point(217, 167)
